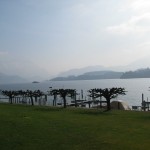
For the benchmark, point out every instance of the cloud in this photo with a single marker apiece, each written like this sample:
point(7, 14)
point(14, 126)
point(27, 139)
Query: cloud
point(138, 22)
point(144, 48)
point(140, 6)
point(136, 25)
point(136, 6)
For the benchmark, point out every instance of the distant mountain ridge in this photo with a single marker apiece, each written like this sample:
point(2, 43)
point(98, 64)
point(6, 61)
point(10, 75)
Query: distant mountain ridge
point(140, 73)
point(95, 75)
point(5, 79)
point(80, 71)
point(91, 76)
point(135, 65)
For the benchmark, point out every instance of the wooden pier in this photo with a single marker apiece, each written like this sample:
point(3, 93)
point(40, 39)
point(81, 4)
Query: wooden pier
point(145, 105)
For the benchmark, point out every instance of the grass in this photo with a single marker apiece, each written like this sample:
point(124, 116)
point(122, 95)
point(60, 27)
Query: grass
point(43, 128)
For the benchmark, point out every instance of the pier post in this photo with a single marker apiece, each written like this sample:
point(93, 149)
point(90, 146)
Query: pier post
point(75, 98)
point(143, 102)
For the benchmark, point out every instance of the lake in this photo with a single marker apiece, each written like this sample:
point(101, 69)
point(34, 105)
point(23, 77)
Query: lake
point(134, 87)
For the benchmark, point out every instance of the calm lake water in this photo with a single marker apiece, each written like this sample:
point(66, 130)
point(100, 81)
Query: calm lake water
point(134, 87)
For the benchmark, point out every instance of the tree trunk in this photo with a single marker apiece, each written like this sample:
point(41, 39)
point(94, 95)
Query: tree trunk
point(46, 98)
point(89, 104)
point(75, 99)
point(64, 102)
point(53, 102)
point(35, 98)
point(108, 104)
point(55, 98)
point(32, 101)
point(10, 100)
point(100, 102)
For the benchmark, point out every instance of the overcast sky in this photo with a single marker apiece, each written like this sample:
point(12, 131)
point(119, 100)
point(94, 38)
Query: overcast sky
point(58, 35)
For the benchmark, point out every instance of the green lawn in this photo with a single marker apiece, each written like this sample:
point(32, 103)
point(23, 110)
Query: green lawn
point(46, 128)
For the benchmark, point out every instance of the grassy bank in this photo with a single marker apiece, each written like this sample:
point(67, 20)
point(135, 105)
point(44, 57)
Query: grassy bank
point(43, 128)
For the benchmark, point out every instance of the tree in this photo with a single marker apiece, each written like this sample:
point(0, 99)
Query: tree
point(30, 94)
point(23, 95)
point(73, 95)
point(63, 93)
point(66, 92)
point(96, 93)
point(107, 93)
point(10, 94)
point(110, 93)
point(38, 94)
point(93, 95)
point(54, 92)
point(35, 94)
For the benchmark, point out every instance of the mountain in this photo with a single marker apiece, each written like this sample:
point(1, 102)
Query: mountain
point(95, 75)
point(91, 76)
point(140, 63)
point(140, 73)
point(5, 79)
point(79, 71)
point(23, 68)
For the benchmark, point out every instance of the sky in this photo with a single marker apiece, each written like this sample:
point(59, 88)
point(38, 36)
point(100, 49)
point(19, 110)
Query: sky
point(46, 37)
